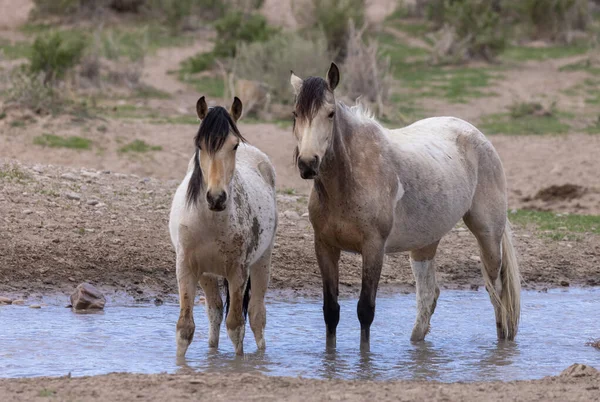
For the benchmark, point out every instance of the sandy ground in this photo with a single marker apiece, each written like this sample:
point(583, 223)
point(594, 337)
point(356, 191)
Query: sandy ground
point(575, 384)
point(62, 226)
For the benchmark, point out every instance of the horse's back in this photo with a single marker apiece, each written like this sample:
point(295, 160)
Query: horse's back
point(443, 162)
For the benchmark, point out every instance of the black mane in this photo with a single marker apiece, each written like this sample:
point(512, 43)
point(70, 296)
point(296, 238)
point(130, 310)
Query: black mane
point(211, 136)
point(311, 97)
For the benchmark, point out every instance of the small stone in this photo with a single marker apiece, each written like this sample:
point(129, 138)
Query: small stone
point(73, 196)
point(116, 241)
point(27, 212)
point(18, 302)
point(87, 297)
point(564, 283)
point(56, 240)
point(475, 258)
point(92, 175)
point(305, 215)
point(69, 176)
point(513, 211)
point(579, 370)
point(106, 172)
point(35, 306)
point(293, 215)
point(201, 300)
point(92, 202)
point(5, 300)
point(100, 205)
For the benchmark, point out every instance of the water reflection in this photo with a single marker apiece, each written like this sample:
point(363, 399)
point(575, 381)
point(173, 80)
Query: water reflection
point(462, 345)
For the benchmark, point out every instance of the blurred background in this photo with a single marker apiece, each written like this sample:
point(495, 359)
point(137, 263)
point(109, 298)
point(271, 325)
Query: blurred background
point(112, 84)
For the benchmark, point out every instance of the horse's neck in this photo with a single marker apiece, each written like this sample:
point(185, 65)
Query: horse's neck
point(336, 170)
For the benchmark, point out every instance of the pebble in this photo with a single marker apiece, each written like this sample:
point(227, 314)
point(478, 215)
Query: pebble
point(90, 174)
point(5, 300)
point(18, 302)
point(93, 202)
point(100, 205)
point(73, 196)
point(293, 215)
point(564, 283)
point(35, 306)
point(475, 258)
point(27, 212)
point(305, 215)
point(69, 176)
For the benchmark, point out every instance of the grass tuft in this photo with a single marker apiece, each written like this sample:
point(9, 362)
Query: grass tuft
point(139, 146)
point(55, 141)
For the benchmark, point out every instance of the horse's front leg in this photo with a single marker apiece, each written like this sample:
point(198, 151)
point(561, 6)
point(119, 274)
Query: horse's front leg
point(372, 256)
point(328, 259)
point(236, 324)
point(214, 308)
point(186, 281)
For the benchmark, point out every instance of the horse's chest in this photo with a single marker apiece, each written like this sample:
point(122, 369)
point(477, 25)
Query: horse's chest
point(339, 231)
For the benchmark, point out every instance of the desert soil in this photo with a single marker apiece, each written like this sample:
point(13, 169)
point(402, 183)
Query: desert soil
point(100, 216)
point(575, 384)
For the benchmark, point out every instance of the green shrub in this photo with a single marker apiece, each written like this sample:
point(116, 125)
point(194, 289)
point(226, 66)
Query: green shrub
point(551, 19)
point(198, 63)
point(139, 146)
point(29, 91)
point(474, 30)
point(333, 16)
point(270, 62)
point(55, 54)
point(236, 27)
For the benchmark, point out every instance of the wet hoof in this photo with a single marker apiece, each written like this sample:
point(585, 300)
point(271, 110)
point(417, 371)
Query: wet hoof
point(261, 344)
point(418, 333)
point(331, 342)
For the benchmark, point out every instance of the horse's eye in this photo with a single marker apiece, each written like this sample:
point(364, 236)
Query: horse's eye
point(236, 146)
point(331, 115)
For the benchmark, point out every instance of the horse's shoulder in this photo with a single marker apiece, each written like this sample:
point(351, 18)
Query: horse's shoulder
point(258, 160)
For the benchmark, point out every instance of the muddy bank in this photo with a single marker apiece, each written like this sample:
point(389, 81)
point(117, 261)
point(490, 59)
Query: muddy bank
point(573, 385)
point(60, 227)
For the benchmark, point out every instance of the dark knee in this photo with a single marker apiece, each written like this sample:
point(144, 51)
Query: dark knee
point(366, 312)
point(331, 313)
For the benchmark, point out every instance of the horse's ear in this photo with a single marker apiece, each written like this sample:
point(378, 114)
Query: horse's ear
point(333, 76)
point(296, 83)
point(236, 109)
point(201, 108)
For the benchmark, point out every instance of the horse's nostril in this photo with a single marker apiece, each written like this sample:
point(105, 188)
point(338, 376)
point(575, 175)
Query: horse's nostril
point(216, 202)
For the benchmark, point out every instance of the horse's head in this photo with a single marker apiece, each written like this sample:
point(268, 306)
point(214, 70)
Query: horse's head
point(314, 113)
point(216, 144)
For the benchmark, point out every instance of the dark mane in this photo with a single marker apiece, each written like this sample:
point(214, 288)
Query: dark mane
point(311, 97)
point(211, 136)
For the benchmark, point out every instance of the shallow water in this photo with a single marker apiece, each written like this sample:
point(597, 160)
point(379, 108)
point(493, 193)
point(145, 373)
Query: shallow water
point(461, 346)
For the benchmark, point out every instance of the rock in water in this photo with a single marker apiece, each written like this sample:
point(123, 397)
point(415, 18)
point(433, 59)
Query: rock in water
point(579, 370)
point(87, 297)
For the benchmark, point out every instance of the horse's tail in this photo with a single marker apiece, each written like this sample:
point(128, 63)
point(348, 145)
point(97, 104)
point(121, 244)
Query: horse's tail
point(510, 298)
point(245, 302)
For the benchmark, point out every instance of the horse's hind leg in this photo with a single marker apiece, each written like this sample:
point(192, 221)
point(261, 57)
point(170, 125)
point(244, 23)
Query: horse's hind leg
point(259, 279)
point(423, 267)
point(214, 308)
point(186, 281)
point(235, 317)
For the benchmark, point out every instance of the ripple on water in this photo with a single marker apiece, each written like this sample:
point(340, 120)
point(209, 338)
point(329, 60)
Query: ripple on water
point(461, 346)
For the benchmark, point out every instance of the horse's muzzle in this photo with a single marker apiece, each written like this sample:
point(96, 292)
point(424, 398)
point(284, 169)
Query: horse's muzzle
point(308, 168)
point(217, 203)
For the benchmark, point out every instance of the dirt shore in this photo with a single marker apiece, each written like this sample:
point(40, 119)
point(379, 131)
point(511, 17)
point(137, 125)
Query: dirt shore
point(61, 226)
point(575, 384)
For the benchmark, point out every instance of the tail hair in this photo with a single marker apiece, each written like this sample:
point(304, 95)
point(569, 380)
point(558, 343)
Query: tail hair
point(509, 301)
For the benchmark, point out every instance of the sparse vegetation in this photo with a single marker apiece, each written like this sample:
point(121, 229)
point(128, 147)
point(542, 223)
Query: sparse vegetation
point(270, 62)
point(13, 172)
point(56, 141)
point(503, 123)
point(332, 18)
point(551, 223)
point(28, 91)
point(54, 55)
point(139, 146)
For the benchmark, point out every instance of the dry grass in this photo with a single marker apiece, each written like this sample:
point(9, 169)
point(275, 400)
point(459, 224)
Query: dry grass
point(365, 72)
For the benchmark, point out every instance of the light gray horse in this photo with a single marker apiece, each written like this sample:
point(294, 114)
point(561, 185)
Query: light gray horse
point(379, 191)
point(223, 222)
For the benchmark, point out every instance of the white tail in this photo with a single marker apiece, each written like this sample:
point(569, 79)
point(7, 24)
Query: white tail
point(510, 298)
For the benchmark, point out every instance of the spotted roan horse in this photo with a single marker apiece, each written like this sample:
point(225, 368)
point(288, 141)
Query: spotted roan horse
point(223, 222)
point(378, 191)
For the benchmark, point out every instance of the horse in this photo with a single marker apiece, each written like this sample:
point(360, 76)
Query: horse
point(222, 224)
point(378, 191)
